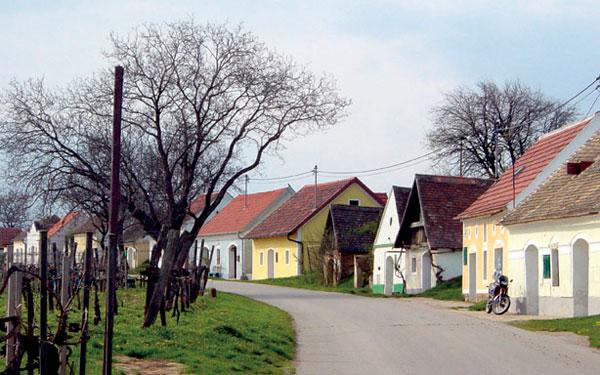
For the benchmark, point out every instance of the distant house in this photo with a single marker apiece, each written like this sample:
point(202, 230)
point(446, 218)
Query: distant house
point(138, 245)
point(289, 240)
point(79, 234)
point(232, 256)
point(32, 238)
point(385, 257)
point(7, 236)
point(429, 232)
point(61, 229)
point(554, 243)
point(348, 239)
point(19, 247)
point(485, 241)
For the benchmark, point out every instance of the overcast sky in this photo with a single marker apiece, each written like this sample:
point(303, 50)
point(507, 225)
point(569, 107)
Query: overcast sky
point(394, 59)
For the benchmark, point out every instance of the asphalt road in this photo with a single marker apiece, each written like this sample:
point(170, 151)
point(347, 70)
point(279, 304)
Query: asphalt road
point(346, 334)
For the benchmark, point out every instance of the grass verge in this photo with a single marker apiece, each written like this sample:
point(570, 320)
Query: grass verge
point(450, 290)
point(586, 326)
point(226, 335)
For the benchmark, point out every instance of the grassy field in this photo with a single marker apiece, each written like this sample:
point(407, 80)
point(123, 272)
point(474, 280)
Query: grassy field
point(587, 326)
point(449, 290)
point(227, 335)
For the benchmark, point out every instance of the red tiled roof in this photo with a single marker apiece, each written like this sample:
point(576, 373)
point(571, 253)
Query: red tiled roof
point(62, 222)
point(198, 205)
point(440, 199)
point(235, 218)
point(297, 210)
point(7, 235)
point(526, 168)
point(381, 198)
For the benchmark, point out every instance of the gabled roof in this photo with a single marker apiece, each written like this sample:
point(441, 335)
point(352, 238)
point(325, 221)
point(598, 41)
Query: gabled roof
point(20, 237)
point(440, 199)
point(237, 216)
point(348, 224)
point(565, 195)
point(401, 196)
point(299, 209)
point(526, 169)
point(381, 198)
point(133, 233)
point(62, 222)
point(7, 235)
point(91, 225)
point(46, 223)
point(198, 204)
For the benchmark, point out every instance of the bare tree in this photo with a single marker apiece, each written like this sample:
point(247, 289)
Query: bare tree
point(491, 126)
point(202, 105)
point(14, 209)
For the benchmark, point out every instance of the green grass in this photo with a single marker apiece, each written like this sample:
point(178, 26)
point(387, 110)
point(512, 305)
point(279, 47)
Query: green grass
point(478, 306)
point(227, 335)
point(586, 326)
point(450, 290)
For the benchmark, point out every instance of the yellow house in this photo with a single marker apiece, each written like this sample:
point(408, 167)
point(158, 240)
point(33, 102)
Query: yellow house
point(288, 241)
point(138, 245)
point(554, 253)
point(79, 235)
point(485, 240)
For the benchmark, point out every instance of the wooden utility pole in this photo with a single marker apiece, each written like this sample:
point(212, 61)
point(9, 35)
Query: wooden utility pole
point(87, 281)
point(114, 222)
point(43, 302)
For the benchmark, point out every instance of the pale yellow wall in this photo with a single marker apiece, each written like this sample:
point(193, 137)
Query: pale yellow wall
point(279, 245)
point(474, 242)
point(141, 251)
point(80, 241)
point(564, 233)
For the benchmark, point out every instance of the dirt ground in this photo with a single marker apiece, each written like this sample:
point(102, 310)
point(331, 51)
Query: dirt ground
point(134, 366)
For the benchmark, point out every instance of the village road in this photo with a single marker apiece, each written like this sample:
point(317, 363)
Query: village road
point(346, 334)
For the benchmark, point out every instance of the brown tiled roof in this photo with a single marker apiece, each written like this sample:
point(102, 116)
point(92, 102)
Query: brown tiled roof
point(565, 195)
point(133, 233)
point(526, 168)
point(440, 199)
point(297, 210)
point(349, 227)
point(381, 198)
point(7, 235)
point(89, 226)
point(20, 237)
point(235, 217)
point(62, 222)
point(401, 196)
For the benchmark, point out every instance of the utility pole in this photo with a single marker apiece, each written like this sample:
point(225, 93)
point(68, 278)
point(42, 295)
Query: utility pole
point(461, 157)
point(315, 171)
point(246, 191)
point(114, 221)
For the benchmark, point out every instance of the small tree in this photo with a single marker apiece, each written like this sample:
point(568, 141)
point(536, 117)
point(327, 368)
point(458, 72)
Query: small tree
point(490, 127)
point(14, 209)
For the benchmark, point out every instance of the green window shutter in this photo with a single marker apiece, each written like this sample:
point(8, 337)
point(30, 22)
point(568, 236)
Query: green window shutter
point(464, 256)
point(546, 266)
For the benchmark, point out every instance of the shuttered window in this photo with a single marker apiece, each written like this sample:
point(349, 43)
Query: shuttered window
point(546, 261)
point(464, 256)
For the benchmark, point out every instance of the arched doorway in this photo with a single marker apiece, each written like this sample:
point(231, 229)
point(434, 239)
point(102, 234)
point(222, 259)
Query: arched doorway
point(472, 276)
point(232, 262)
point(389, 276)
point(532, 274)
point(270, 264)
point(580, 277)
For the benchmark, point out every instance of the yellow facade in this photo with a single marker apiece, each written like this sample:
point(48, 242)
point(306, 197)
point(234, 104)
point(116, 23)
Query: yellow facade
point(488, 240)
point(138, 252)
point(311, 234)
point(80, 240)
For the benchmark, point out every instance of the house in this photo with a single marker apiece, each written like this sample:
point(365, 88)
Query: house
point(429, 234)
point(79, 234)
point(19, 247)
point(61, 229)
point(7, 236)
point(138, 245)
point(348, 240)
point(385, 256)
point(288, 241)
point(226, 231)
point(198, 205)
point(554, 248)
point(32, 238)
point(484, 240)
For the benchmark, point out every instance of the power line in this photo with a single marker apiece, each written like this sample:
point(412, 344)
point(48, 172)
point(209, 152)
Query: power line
point(593, 104)
point(380, 169)
point(579, 93)
point(282, 177)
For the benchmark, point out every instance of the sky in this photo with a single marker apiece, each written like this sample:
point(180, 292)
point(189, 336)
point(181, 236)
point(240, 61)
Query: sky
point(393, 59)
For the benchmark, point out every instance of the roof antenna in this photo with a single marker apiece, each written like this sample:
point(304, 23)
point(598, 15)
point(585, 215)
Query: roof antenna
point(315, 171)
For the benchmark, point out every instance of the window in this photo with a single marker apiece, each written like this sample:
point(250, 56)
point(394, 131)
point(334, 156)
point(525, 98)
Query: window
point(354, 202)
point(554, 267)
point(498, 257)
point(413, 264)
point(484, 264)
point(464, 256)
point(287, 257)
point(546, 262)
point(484, 232)
point(276, 257)
point(218, 256)
point(391, 221)
point(261, 258)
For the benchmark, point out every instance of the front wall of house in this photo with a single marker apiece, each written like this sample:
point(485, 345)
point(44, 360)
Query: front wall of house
point(556, 237)
point(279, 245)
point(381, 267)
point(220, 262)
point(389, 225)
point(80, 240)
point(475, 243)
point(18, 251)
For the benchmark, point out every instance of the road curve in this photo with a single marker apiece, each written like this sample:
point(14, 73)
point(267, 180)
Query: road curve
point(346, 334)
